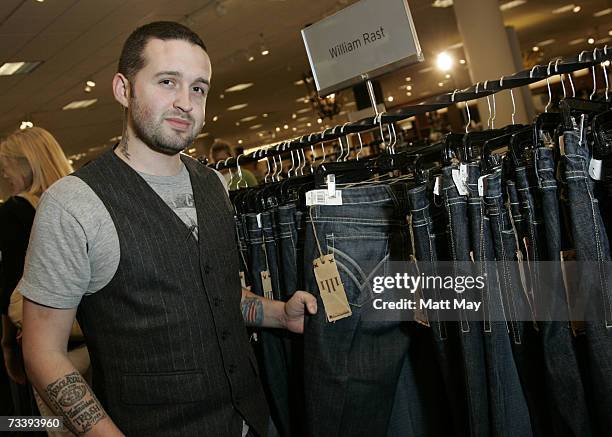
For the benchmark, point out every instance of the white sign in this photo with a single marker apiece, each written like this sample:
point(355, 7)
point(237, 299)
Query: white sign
point(364, 40)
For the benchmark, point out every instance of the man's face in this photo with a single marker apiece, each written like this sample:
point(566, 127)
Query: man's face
point(167, 106)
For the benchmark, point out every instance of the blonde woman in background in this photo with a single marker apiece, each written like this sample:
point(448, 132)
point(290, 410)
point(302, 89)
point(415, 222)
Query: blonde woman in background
point(31, 160)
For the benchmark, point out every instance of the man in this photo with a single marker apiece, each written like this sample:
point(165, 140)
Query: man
point(221, 151)
point(142, 241)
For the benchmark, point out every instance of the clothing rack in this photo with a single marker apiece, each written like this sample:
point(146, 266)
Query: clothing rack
point(585, 59)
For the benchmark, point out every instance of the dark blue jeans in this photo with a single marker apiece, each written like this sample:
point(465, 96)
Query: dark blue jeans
point(509, 415)
point(592, 245)
point(272, 353)
point(472, 341)
point(567, 396)
point(352, 367)
point(428, 222)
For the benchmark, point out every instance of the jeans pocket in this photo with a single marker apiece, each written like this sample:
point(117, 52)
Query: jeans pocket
point(359, 258)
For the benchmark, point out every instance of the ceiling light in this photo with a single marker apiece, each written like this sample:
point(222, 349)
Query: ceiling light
point(293, 129)
point(409, 88)
point(237, 123)
point(444, 61)
point(390, 99)
point(576, 41)
point(564, 9)
point(26, 124)
point(303, 110)
point(602, 12)
point(576, 9)
point(408, 93)
point(591, 40)
point(237, 107)
point(462, 61)
point(40, 1)
point(299, 82)
point(294, 116)
point(239, 141)
point(239, 87)
point(90, 83)
point(308, 124)
point(221, 96)
point(511, 4)
point(277, 129)
point(440, 84)
point(87, 89)
point(535, 49)
point(447, 76)
point(319, 121)
point(80, 104)
point(264, 115)
point(442, 3)
point(9, 68)
point(251, 58)
point(408, 79)
point(286, 126)
point(249, 118)
point(215, 118)
point(260, 134)
point(545, 43)
point(265, 52)
point(256, 126)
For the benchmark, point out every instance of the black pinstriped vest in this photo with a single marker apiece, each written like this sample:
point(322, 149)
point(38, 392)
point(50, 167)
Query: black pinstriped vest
point(168, 345)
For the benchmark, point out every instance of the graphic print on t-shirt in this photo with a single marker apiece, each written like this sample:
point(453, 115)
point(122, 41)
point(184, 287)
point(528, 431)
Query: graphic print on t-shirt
point(184, 206)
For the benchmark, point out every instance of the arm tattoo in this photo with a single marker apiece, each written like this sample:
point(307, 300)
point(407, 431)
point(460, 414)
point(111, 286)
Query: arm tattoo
point(71, 397)
point(252, 311)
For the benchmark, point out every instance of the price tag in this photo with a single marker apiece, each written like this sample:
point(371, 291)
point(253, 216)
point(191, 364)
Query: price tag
point(322, 197)
point(331, 184)
point(437, 185)
point(331, 288)
point(481, 181)
point(459, 183)
point(266, 283)
point(595, 169)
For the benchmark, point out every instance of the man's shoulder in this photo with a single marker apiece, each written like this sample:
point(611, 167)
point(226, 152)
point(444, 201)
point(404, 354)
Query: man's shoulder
point(74, 195)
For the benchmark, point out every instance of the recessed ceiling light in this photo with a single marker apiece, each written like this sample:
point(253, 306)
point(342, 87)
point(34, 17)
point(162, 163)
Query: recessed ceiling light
point(277, 129)
point(591, 40)
point(602, 12)
point(260, 134)
point(444, 61)
point(576, 9)
point(545, 43)
point(319, 121)
point(447, 76)
point(294, 116)
point(564, 9)
point(91, 83)
point(265, 52)
point(299, 82)
point(88, 89)
point(293, 129)
point(409, 88)
point(535, 49)
point(251, 58)
point(442, 3)
point(249, 118)
point(192, 150)
point(237, 107)
point(25, 125)
point(264, 115)
point(440, 84)
point(408, 93)
point(408, 79)
point(308, 124)
point(239, 141)
point(256, 126)
point(79, 104)
point(576, 41)
point(303, 119)
point(215, 118)
point(286, 126)
point(512, 4)
point(237, 123)
point(40, 1)
point(462, 61)
point(303, 110)
point(10, 68)
point(239, 87)
point(390, 99)
point(221, 96)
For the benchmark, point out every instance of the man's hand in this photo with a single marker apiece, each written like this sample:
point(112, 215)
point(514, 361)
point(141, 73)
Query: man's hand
point(294, 310)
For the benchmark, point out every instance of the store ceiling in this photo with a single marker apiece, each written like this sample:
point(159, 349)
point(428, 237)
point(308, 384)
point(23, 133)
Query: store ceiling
point(80, 40)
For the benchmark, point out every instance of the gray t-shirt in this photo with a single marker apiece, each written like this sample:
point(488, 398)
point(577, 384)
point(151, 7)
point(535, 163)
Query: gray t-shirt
point(74, 247)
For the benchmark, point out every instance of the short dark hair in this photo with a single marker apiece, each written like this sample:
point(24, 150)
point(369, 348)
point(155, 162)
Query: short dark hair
point(219, 147)
point(131, 60)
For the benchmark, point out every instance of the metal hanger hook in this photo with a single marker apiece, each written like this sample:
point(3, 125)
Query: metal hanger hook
point(560, 77)
point(467, 109)
point(594, 77)
point(360, 145)
point(532, 70)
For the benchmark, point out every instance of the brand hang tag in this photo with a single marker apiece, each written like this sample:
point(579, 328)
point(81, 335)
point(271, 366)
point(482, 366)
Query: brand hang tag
point(322, 197)
point(463, 172)
point(331, 289)
point(243, 280)
point(481, 182)
point(459, 183)
point(266, 284)
point(595, 169)
point(437, 185)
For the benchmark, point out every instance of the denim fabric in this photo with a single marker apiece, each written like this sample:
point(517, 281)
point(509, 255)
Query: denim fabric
point(592, 245)
point(472, 342)
point(287, 238)
point(509, 415)
point(273, 352)
point(444, 336)
point(269, 227)
point(243, 251)
point(526, 344)
point(567, 395)
point(352, 367)
point(515, 211)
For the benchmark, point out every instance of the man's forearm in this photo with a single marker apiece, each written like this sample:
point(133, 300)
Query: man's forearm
point(260, 312)
point(66, 392)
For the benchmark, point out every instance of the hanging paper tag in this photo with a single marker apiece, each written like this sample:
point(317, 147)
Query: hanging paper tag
point(481, 182)
point(459, 183)
point(331, 288)
point(330, 180)
point(266, 283)
point(243, 280)
point(595, 169)
point(463, 172)
point(437, 185)
point(562, 145)
point(322, 197)
point(258, 216)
